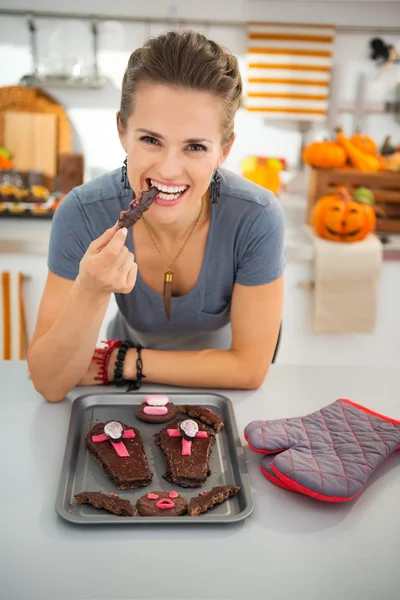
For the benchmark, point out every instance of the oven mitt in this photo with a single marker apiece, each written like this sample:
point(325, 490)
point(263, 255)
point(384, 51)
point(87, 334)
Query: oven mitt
point(329, 454)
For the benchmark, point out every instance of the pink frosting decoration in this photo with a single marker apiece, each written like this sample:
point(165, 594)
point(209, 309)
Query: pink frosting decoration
point(174, 433)
point(120, 448)
point(165, 504)
point(155, 410)
point(156, 400)
point(173, 495)
point(152, 496)
point(102, 437)
point(186, 447)
point(186, 444)
point(208, 409)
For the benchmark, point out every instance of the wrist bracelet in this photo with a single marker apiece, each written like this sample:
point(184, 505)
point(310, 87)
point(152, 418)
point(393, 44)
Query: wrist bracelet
point(119, 363)
point(119, 367)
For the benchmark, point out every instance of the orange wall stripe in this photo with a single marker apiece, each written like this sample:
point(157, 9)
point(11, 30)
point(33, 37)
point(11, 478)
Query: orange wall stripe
point(299, 111)
point(6, 315)
point(279, 24)
point(290, 37)
point(289, 81)
point(291, 96)
point(290, 51)
point(289, 67)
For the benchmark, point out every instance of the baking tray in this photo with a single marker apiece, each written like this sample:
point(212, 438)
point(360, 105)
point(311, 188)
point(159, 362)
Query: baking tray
point(80, 472)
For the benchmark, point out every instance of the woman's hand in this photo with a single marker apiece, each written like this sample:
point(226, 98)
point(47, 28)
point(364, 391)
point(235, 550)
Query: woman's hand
point(107, 266)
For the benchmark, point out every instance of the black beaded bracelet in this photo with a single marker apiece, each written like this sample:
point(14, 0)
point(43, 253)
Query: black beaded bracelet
point(119, 367)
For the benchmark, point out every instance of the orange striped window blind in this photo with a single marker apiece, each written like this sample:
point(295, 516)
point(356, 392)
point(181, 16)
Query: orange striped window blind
point(289, 70)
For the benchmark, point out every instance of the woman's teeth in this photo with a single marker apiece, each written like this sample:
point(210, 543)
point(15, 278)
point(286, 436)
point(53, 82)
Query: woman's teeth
point(169, 196)
point(168, 192)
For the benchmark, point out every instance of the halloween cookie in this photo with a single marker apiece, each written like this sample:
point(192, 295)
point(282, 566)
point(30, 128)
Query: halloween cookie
point(137, 207)
point(186, 445)
point(118, 448)
point(156, 408)
point(111, 502)
point(207, 500)
point(203, 414)
point(162, 504)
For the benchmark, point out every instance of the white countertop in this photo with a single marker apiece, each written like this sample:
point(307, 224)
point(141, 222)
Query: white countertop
point(291, 546)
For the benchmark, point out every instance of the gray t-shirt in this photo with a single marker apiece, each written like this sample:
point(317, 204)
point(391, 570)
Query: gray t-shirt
point(245, 244)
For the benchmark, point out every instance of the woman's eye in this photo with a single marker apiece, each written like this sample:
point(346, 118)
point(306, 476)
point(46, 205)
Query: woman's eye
point(148, 139)
point(197, 148)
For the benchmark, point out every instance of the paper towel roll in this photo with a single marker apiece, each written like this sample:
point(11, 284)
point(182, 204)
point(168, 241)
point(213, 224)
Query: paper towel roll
point(345, 293)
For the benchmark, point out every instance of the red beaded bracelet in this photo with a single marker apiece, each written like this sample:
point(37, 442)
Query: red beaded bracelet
point(102, 357)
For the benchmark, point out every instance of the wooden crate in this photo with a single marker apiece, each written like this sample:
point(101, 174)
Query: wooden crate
point(384, 185)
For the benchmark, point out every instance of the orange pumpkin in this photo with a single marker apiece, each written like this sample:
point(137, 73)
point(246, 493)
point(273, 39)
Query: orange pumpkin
point(364, 143)
point(324, 155)
point(339, 219)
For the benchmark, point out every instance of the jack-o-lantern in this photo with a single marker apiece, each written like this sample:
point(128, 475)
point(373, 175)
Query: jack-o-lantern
point(340, 219)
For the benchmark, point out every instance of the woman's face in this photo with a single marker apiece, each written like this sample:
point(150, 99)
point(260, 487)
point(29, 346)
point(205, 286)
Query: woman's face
point(173, 141)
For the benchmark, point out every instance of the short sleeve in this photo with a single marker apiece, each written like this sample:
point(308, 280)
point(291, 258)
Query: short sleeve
point(262, 256)
point(69, 238)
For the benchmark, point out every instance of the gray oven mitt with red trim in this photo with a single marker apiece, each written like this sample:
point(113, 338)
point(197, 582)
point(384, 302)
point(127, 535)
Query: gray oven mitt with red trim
point(329, 454)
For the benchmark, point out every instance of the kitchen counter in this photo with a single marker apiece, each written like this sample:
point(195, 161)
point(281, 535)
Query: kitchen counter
point(290, 547)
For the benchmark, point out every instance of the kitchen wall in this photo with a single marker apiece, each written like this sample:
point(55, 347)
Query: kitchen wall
point(92, 112)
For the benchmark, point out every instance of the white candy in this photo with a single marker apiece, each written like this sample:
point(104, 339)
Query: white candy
point(156, 400)
point(114, 430)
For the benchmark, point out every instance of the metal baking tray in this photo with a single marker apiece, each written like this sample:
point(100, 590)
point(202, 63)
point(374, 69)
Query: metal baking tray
point(80, 472)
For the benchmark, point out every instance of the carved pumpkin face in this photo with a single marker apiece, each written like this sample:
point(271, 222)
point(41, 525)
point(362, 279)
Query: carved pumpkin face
point(339, 219)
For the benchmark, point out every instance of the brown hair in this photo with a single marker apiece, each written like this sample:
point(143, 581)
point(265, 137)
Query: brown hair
point(188, 60)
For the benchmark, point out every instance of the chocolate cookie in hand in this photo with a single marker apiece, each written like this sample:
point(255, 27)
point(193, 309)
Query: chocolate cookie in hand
point(137, 207)
point(162, 504)
point(187, 447)
point(156, 408)
point(119, 451)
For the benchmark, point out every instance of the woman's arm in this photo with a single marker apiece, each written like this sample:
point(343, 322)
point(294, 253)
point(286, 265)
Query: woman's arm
point(71, 314)
point(255, 318)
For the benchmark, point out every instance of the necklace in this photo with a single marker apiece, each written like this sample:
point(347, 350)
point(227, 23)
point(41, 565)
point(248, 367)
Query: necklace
point(168, 275)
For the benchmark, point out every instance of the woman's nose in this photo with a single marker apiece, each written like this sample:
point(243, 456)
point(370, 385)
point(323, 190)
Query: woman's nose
point(170, 166)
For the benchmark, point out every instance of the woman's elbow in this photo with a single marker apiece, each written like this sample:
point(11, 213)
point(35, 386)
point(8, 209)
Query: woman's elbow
point(255, 377)
point(49, 394)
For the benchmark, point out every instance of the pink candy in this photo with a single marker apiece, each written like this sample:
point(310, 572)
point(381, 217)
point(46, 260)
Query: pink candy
point(173, 495)
point(152, 496)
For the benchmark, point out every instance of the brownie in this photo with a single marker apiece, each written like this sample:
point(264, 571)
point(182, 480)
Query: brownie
point(172, 504)
point(111, 502)
point(137, 207)
point(186, 471)
point(168, 416)
point(203, 414)
point(207, 500)
point(126, 472)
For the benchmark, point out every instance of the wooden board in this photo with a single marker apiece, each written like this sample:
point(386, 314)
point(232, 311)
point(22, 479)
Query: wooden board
point(32, 138)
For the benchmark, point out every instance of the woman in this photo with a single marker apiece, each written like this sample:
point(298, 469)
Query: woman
point(219, 235)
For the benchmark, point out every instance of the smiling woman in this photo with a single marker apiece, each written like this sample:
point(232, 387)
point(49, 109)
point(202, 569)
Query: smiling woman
point(198, 279)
